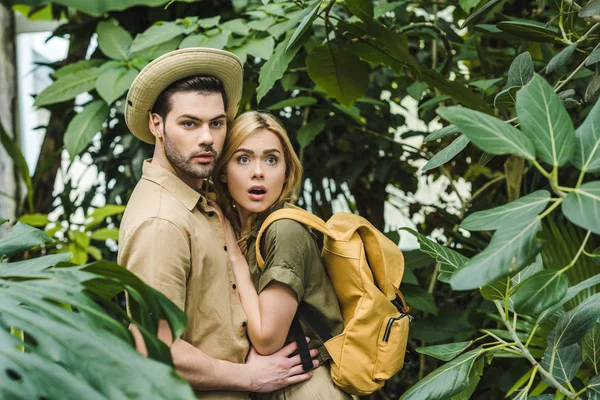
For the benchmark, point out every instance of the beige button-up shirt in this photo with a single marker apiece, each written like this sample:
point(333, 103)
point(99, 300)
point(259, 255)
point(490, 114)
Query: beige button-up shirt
point(175, 244)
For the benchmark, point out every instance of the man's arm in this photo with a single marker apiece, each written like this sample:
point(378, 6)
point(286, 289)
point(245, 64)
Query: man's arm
point(259, 374)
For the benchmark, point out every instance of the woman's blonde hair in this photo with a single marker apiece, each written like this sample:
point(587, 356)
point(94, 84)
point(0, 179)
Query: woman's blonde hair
point(240, 129)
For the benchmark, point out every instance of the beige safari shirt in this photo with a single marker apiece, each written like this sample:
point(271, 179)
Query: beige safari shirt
point(175, 244)
point(292, 257)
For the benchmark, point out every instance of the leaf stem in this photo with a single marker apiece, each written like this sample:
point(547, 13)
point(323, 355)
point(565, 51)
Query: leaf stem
point(532, 360)
point(580, 179)
point(581, 250)
point(531, 335)
point(542, 170)
point(578, 68)
point(591, 255)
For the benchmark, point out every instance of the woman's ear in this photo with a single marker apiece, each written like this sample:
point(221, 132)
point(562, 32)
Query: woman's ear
point(223, 178)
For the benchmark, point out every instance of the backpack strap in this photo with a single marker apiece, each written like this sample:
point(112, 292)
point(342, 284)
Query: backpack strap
point(303, 350)
point(314, 322)
point(296, 214)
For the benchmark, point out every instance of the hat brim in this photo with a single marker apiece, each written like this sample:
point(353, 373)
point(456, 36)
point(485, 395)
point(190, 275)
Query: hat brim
point(179, 64)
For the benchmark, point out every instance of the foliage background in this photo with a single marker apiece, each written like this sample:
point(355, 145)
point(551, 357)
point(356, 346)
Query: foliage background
point(336, 73)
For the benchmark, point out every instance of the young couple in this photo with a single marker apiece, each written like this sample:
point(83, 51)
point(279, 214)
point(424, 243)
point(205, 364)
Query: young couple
point(202, 255)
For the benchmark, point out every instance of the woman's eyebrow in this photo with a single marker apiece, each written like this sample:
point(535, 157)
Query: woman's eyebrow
point(269, 151)
point(241, 150)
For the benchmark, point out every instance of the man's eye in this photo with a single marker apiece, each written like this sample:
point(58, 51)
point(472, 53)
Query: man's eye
point(271, 160)
point(216, 124)
point(243, 159)
point(189, 124)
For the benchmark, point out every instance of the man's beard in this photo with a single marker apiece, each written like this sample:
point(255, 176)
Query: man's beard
point(183, 163)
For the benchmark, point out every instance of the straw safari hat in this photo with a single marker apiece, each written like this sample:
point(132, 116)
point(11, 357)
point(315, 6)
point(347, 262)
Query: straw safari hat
point(179, 64)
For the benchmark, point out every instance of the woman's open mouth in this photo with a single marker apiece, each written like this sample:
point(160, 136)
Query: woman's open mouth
point(257, 193)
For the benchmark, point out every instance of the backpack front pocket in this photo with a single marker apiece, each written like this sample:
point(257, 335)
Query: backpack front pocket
point(391, 349)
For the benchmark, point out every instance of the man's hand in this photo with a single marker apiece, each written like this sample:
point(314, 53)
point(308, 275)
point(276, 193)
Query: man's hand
point(274, 372)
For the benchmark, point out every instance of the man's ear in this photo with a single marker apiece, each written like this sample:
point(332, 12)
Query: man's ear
point(223, 178)
point(155, 125)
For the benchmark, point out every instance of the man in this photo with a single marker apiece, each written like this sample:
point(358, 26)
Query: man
point(171, 237)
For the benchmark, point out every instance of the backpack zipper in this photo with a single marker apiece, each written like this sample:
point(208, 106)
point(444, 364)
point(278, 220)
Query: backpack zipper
point(388, 328)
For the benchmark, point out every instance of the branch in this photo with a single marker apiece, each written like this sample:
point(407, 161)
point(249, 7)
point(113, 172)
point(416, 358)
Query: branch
point(579, 67)
point(577, 7)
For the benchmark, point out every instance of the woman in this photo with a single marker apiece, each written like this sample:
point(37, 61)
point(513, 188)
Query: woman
point(258, 170)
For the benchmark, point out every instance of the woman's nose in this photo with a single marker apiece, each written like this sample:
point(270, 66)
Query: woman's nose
point(257, 173)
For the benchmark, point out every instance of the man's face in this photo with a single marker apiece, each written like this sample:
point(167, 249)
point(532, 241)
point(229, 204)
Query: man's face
point(194, 132)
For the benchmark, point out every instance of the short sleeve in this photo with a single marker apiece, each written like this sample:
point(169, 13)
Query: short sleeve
point(158, 252)
point(287, 253)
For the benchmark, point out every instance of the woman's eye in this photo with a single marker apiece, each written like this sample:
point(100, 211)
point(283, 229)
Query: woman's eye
point(243, 159)
point(271, 160)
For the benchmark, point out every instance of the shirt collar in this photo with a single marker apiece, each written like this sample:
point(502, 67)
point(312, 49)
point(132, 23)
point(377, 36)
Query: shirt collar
point(186, 195)
point(261, 218)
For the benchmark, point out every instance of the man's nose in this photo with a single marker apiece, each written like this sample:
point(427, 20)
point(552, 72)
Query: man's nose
point(205, 137)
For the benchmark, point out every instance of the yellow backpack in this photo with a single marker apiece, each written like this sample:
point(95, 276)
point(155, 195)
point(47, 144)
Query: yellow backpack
point(365, 268)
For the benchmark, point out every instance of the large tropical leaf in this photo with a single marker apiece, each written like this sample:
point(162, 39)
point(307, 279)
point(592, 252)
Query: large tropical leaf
point(489, 133)
point(563, 363)
point(571, 293)
point(546, 122)
point(512, 248)
point(508, 214)
point(84, 126)
point(582, 206)
point(114, 82)
point(445, 352)
point(593, 387)
point(587, 153)
point(449, 259)
point(113, 40)
point(540, 291)
point(88, 353)
point(447, 154)
point(591, 347)
point(446, 381)
point(274, 68)
point(155, 35)
point(521, 70)
point(68, 87)
point(305, 24)
point(22, 237)
point(573, 325)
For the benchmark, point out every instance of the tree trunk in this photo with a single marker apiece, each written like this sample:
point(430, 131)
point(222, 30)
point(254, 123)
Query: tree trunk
point(9, 186)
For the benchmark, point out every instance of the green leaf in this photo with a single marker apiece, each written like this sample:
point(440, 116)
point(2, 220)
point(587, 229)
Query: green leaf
point(155, 35)
point(489, 133)
point(561, 58)
point(593, 58)
point(209, 22)
point(22, 237)
point(545, 120)
point(593, 386)
point(416, 89)
point(37, 264)
point(446, 381)
point(274, 68)
point(76, 67)
point(528, 31)
point(587, 149)
point(84, 126)
point(506, 98)
point(100, 214)
point(508, 214)
point(591, 347)
point(539, 292)
point(261, 48)
point(485, 158)
point(261, 25)
point(593, 86)
point(237, 26)
point(150, 53)
point(420, 299)
point(311, 14)
point(480, 12)
point(442, 133)
point(497, 290)
point(199, 40)
point(562, 363)
point(37, 220)
point(528, 271)
point(474, 378)
point(3, 220)
point(449, 260)
point(383, 8)
point(573, 325)
point(521, 70)
point(433, 102)
point(14, 152)
point(113, 40)
point(113, 83)
point(363, 9)
point(409, 278)
point(447, 154)
point(106, 233)
point(68, 87)
point(511, 249)
point(486, 84)
point(571, 293)
point(468, 5)
point(308, 132)
point(445, 352)
point(342, 74)
point(581, 206)
point(591, 9)
point(299, 101)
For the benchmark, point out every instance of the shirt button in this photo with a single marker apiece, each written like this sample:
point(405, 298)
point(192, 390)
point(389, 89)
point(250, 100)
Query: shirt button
point(233, 286)
point(225, 248)
point(210, 213)
point(244, 324)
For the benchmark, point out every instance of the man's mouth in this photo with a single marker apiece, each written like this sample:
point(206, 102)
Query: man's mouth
point(204, 157)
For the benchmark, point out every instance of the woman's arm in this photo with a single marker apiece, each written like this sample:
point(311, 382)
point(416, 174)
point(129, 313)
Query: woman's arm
point(270, 314)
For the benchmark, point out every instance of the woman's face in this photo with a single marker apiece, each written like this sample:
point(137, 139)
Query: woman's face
point(256, 173)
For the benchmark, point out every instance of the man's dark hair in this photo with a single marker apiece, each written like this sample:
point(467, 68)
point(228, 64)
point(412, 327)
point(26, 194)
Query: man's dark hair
point(203, 84)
